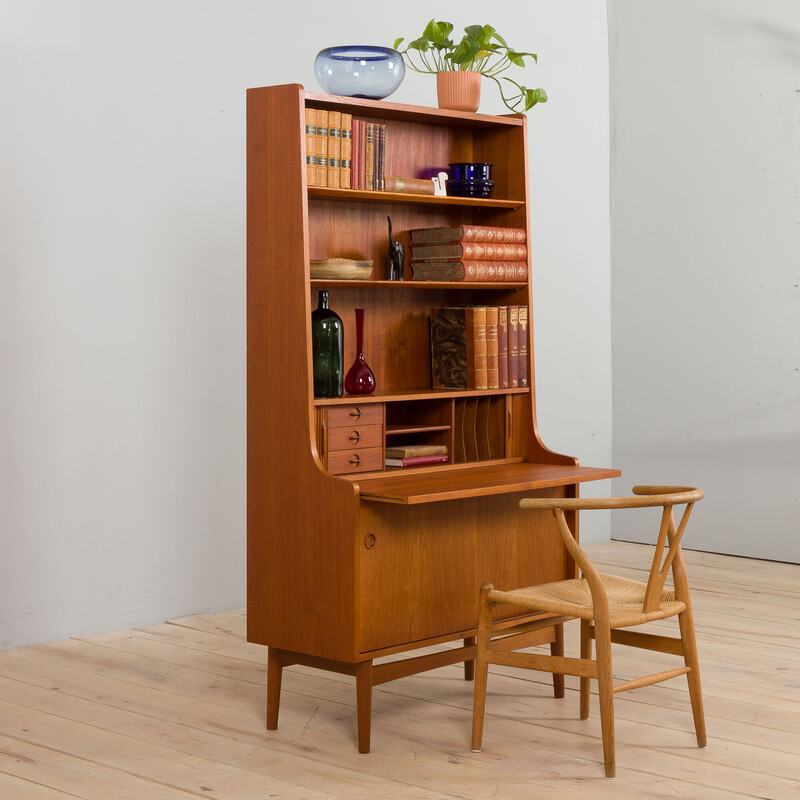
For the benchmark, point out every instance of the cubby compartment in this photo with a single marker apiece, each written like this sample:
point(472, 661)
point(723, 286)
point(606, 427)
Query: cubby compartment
point(479, 430)
point(423, 422)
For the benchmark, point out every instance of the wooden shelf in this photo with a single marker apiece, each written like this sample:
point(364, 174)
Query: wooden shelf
point(395, 395)
point(357, 195)
point(328, 283)
point(381, 109)
point(399, 430)
point(455, 484)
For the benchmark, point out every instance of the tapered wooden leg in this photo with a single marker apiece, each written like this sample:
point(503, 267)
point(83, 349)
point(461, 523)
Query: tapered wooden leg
point(586, 653)
point(364, 703)
point(693, 676)
point(481, 666)
point(606, 692)
point(469, 666)
point(274, 673)
point(557, 649)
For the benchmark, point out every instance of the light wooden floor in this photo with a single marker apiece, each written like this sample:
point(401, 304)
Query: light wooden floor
point(176, 711)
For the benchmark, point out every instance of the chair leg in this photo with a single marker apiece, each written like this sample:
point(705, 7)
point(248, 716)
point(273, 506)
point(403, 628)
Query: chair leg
point(481, 666)
point(606, 691)
point(586, 653)
point(691, 660)
point(557, 649)
point(274, 674)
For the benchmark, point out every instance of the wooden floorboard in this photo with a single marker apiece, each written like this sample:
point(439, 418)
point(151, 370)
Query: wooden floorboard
point(176, 711)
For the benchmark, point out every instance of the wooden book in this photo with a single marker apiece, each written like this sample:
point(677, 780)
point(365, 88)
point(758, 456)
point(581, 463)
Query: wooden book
point(468, 233)
point(322, 147)
point(334, 149)
point(523, 346)
point(347, 151)
point(492, 348)
point(513, 347)
point(311, 146)
point(502, 347)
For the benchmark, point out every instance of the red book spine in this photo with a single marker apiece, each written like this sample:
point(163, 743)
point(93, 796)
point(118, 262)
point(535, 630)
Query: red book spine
point(513, 347)
point(523, 346)
point(417, 461)
point(502, 347)
point(492, 348)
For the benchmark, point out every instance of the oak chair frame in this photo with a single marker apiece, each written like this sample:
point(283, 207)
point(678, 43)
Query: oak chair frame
point(601, 618)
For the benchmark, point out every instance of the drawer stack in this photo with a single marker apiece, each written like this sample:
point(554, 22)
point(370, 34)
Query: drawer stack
point(352, 438)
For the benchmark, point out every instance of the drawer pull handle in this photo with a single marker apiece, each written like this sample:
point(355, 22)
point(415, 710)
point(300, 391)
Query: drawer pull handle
point(356, 437)
point(355, 460)
point(356, 413)
point(369, 541)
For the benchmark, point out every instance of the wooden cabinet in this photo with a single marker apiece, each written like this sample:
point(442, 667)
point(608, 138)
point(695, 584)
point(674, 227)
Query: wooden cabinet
point(348, 561)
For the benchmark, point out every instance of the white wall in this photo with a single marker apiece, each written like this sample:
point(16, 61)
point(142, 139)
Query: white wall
point(122, 281)
point(705, 184)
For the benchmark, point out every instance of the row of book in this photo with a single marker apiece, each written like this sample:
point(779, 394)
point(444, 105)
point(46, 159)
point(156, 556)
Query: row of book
point(469, 253)
point(347, 153)
point(479, 347)
point(328, 148)
point(416, 455)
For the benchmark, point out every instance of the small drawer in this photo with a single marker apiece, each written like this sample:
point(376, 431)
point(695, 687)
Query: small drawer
point(355, 438)
point(348, 416)
point(341, 462)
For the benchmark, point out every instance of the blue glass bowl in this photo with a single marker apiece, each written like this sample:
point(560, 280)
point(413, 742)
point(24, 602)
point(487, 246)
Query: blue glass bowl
point(359, 71)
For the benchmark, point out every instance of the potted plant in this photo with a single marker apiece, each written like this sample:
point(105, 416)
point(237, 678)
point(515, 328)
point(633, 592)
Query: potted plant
point(481, 51)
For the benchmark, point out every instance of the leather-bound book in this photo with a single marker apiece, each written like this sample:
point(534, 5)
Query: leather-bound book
point(380, 180)
point(492, 348)
point(468, 233)
point(311, 146)
point(502, 347)
point(476, 322)
point(513, 347)
point(369, 157)
point(485, 251)
point(322, 147)
point(409, 185)
point(334, 149)
point(456, 334)
point(416, 450)
point(346, 163)
point(523, 346)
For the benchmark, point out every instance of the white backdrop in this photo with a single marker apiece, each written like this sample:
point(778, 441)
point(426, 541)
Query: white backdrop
point(706, 263)
point(122, 281)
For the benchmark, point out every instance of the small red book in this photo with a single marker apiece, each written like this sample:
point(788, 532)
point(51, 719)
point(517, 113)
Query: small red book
point(417, 461)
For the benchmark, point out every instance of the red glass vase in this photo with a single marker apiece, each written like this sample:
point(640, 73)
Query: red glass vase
point(359, 378)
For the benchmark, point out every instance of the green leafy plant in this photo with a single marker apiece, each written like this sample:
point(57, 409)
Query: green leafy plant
point(481, 49)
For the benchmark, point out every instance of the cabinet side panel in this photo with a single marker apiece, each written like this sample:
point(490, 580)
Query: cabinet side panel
point(300, 521)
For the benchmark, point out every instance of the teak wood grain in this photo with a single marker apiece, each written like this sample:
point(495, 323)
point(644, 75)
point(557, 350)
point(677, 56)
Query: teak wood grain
point(343, 569)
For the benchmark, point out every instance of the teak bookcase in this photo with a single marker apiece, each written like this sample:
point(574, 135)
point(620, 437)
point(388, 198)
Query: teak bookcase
point(347, 565)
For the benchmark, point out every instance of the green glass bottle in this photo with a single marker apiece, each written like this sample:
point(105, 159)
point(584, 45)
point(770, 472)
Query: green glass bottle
point(327, 342)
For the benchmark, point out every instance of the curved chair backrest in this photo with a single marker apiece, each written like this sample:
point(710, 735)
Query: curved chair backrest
point(644, 497)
